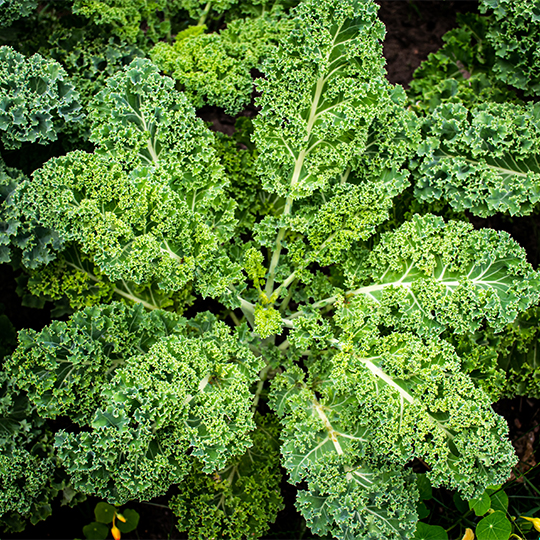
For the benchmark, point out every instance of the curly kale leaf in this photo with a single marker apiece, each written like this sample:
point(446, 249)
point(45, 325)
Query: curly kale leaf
point(63, 367)
point(238, 501)
point(124, 18)
point(27, 479)
point(368, 409)
point(29, 472)
point(429, 275)
point(148, 206)
point(335, 218)
point(505, 363)
point(518, 355)
point(185, 393)
point(322, 88)
point(72, 281)
point(461, 71)
point(232, 9)
point(484, 160)
point(146, 388)
point(215, 69)
point(513, 34)
point(37, 243)
point(349, 493)
point(416, 402)
point(89, 58)
point(12, 10)
point(35, 99)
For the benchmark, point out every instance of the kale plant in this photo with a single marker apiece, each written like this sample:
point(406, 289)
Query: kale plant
point(347, 319)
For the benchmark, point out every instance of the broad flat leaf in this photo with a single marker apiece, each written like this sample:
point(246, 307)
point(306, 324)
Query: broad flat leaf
point(424, 531)
point(96, 531)
point(496, 526)
point(481, 504)
point(499, 501)
point(424, 487)
point(104, 512)
point(132, 520)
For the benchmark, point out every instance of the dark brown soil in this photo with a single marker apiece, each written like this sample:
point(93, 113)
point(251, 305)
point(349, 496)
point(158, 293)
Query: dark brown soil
point(415, 29)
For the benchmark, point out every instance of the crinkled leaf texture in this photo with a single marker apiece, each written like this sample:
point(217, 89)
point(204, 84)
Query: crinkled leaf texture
point(215, 69)
point(37, 243)
point(29, 472)
point(240, 500)
point(35, 99)
point(461, 71)
point(125, 18)
point(321, 90)
point(349, 493)
point(367, 411)
point(513, 34)
point(484, 160)
point(73, 281)
point(15, 9)
point(148, 205)
point(373, 401)
point(147, 388)
point(429, 275)
point(507, 362)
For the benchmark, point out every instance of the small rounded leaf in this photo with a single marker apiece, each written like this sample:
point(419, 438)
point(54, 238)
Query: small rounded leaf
point(494, 527)
point(96, 531)
point(429, 532)
point(132, 520)
point(480, 505)
point(104, 512)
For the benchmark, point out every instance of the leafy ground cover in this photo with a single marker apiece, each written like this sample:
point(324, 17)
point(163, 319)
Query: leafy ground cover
point(131, 200)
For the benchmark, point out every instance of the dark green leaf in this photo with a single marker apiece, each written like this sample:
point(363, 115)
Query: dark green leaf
point(429, 532)
point(422, 510)
point(494, 527)
point(132, 520)
point(96, 531)
point(104, 512)
point(499, 501)
point(481, 504)
point(424, 487)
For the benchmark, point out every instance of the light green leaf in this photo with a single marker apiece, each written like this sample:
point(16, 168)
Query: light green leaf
point(148, 205)
point(401, 385)
point(424, 531)
point(321, 443)
point(481, 504)
point(322, 88)
point(429, 275)
point(496, 526)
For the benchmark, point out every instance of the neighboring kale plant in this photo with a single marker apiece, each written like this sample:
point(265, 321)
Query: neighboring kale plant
point(349, 320)
point(36, 99)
